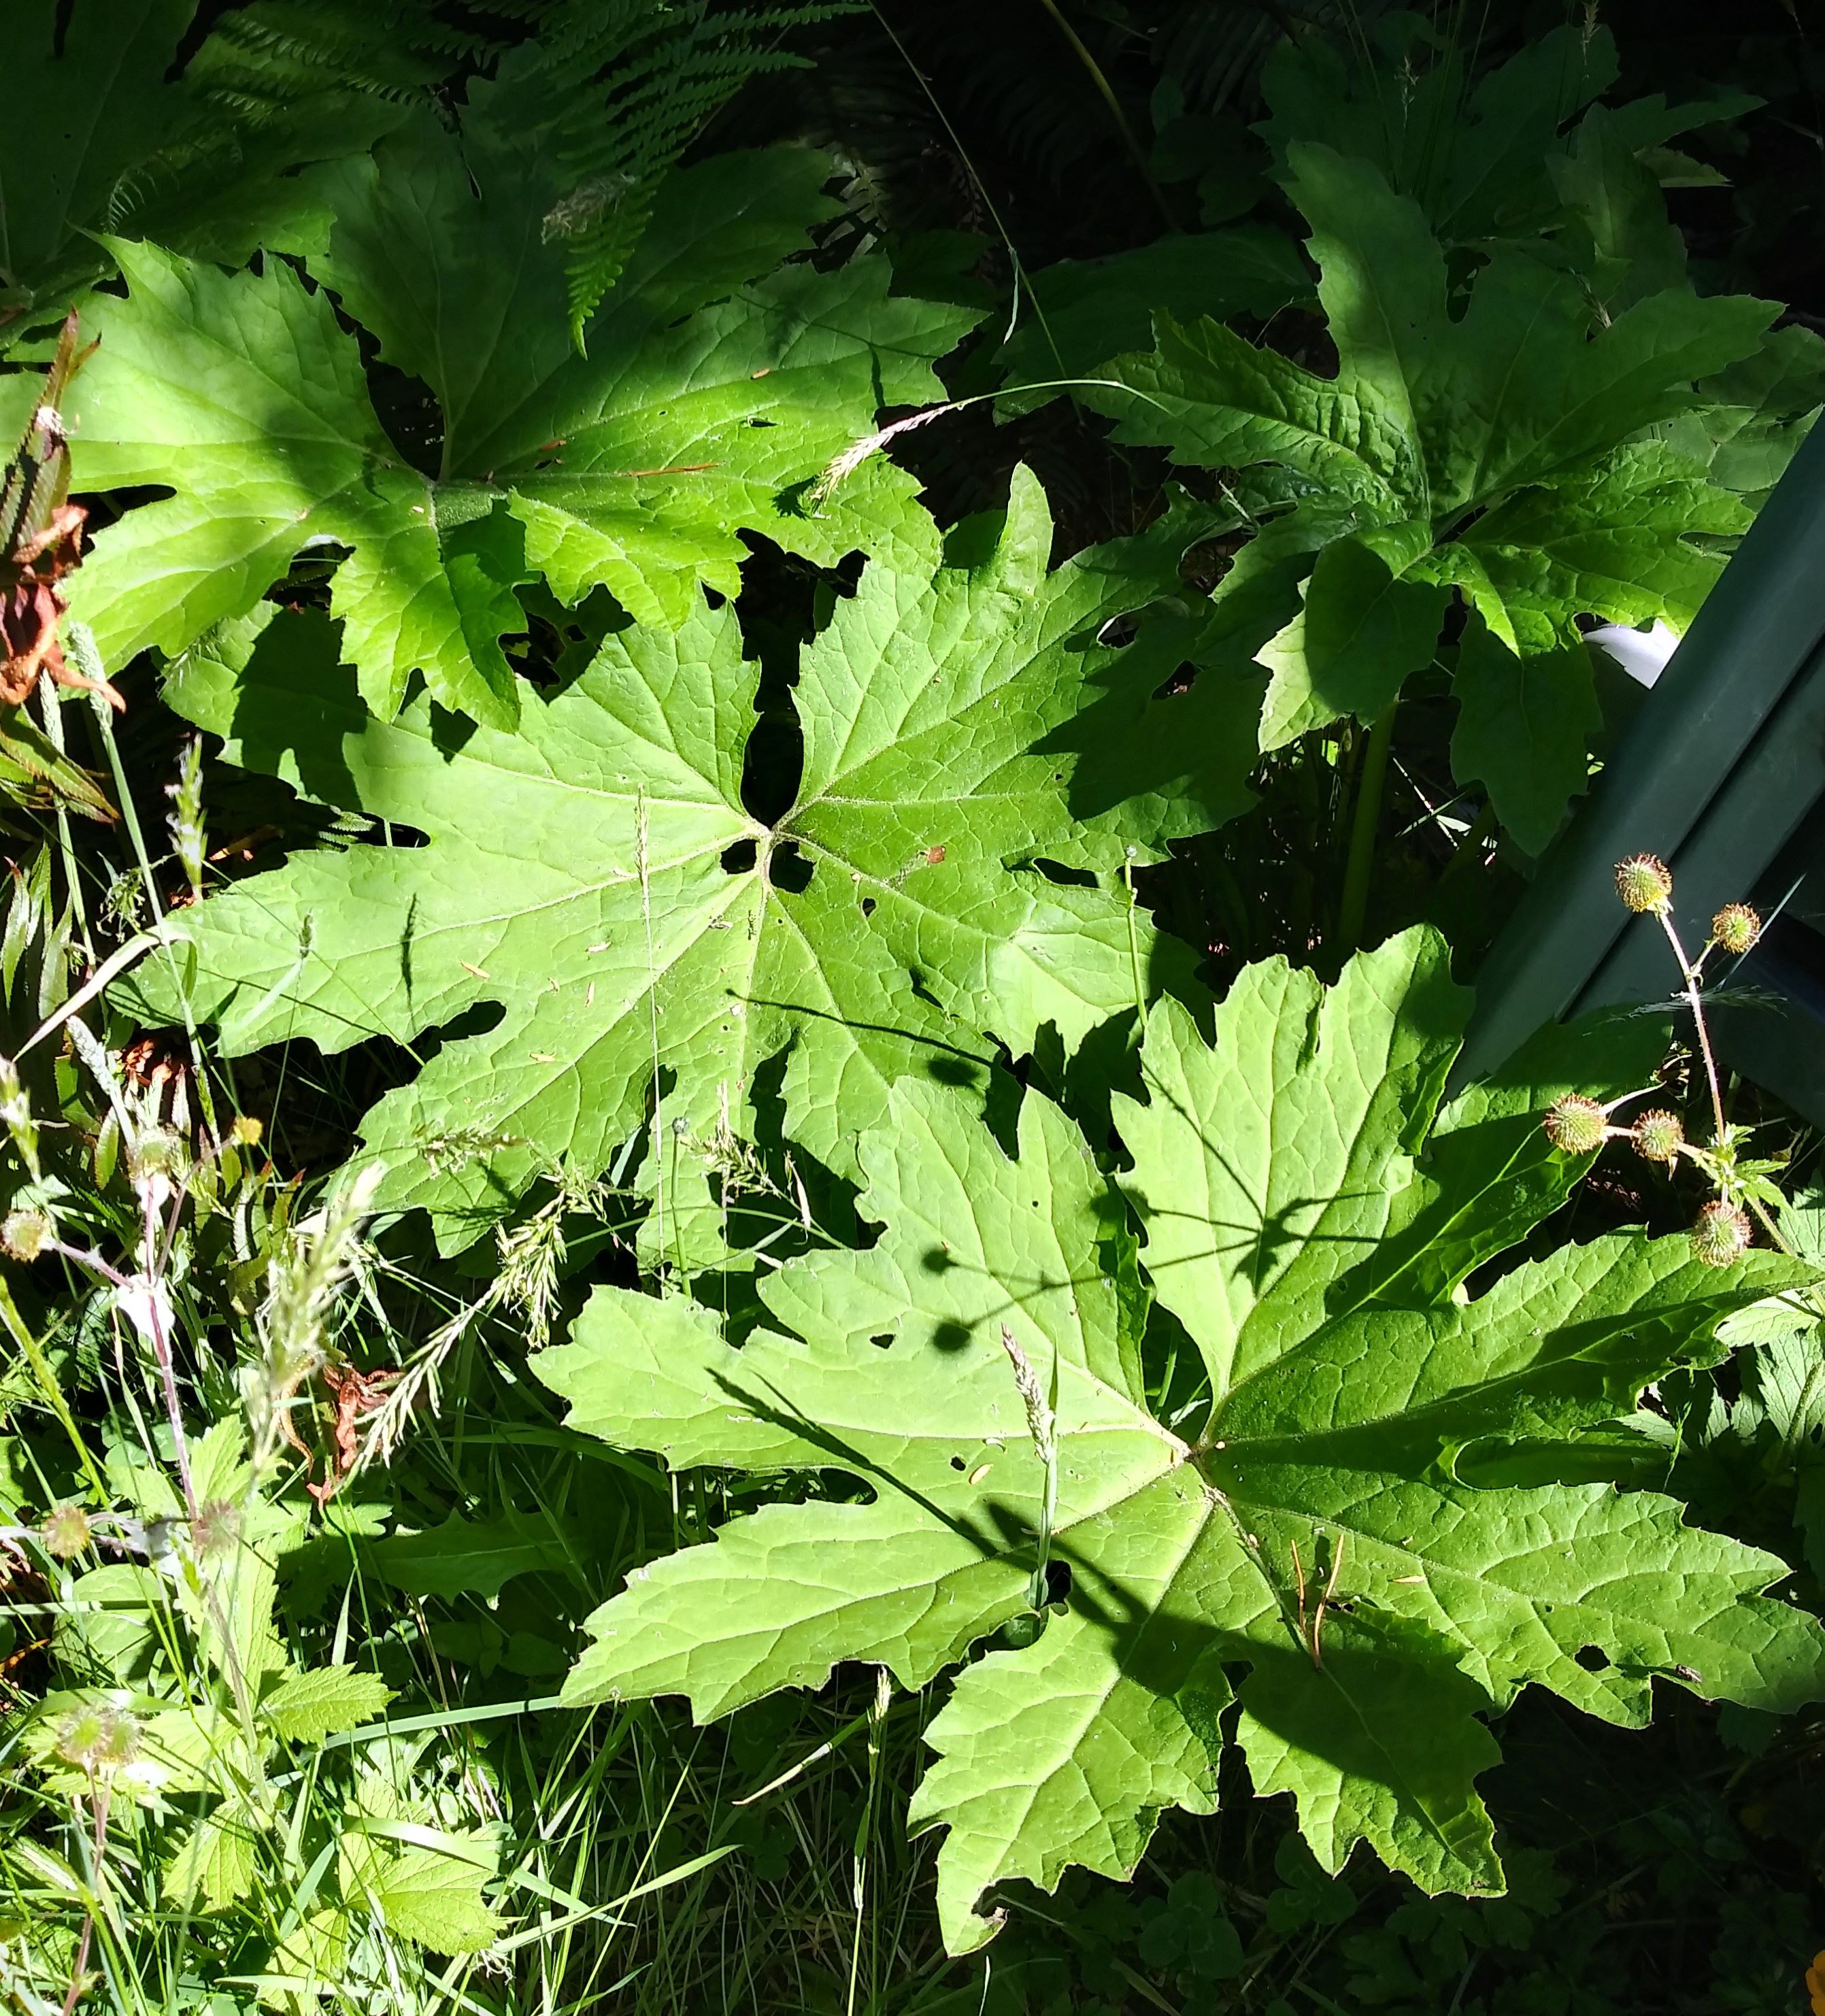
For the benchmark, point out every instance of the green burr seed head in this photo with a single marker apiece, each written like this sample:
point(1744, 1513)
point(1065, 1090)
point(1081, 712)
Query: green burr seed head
point(25, 1234)
point(1657, 1136)
point(97, 1739)
point(1645, 883)
point(1736, 927)
point(65, 1531)
point(1720, 1234)
point(1576, 1126)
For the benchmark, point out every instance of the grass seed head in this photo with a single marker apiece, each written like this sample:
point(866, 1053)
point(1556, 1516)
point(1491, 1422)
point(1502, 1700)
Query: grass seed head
point(1575, 1125)
point(187, 842)
point(1736, 927)
point(1721, 1233)
point(1040, 1423)
point(1645, 883)
point(1657, 1136)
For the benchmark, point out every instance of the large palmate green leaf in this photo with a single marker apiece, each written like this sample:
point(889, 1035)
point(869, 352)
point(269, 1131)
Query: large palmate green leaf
point(1298, 1512)
point(598, 875)
point(1499, 450)
point(708, 402)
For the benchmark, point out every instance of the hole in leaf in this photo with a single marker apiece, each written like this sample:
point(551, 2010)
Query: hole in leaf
point(956, 1463)
point(881, 1342)
point(868, 906)
point(740, 858)
point(1593, 1659)
point(788, 870)
point(450, 733)
point(1179, 683)
point(1058, 1581)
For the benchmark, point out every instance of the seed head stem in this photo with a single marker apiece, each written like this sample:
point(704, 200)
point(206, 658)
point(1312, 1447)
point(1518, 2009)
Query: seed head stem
point(1689, 973)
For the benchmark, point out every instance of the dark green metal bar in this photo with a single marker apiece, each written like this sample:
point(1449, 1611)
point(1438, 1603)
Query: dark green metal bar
point(1725, 759)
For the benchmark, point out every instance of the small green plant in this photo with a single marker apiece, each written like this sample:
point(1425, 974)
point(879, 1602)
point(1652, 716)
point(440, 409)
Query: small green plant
point(1741, 1184)
point(161, 1770)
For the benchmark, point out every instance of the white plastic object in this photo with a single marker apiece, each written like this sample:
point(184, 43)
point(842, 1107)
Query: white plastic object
point(1642, 654)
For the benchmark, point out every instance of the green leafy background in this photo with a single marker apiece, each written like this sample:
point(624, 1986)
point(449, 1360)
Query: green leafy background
point(865, 692)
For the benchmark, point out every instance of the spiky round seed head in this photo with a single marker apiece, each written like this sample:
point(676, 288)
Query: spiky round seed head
point(1657, 1136)
point(1645, 882)
point(1736, 927)
point(66, 1531)
point(82, 1737)
point(1721, 1233)
point(1575, 1125)
point(158, 1152)
point(98, 1739)
point(26, 1234)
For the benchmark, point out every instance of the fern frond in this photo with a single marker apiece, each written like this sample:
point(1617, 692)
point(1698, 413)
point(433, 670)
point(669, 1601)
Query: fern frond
point(283, 82)
point(259, 61)
point(1215, 55)
point(618, 89)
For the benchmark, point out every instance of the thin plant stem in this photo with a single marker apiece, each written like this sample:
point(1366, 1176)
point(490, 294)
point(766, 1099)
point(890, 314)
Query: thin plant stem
point(883, 1697)
point(79, 1966)
point(1689, 973)
point(167, 1371)
point(82, 649)
point(53, 1394)
point(1134, 957)
point(1354, 908)
point(1106, 91)
point(1021, 284)
point(65, 842)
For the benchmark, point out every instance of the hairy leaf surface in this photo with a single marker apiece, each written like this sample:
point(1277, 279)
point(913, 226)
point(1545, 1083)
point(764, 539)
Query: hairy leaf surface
point(1298, 1513)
